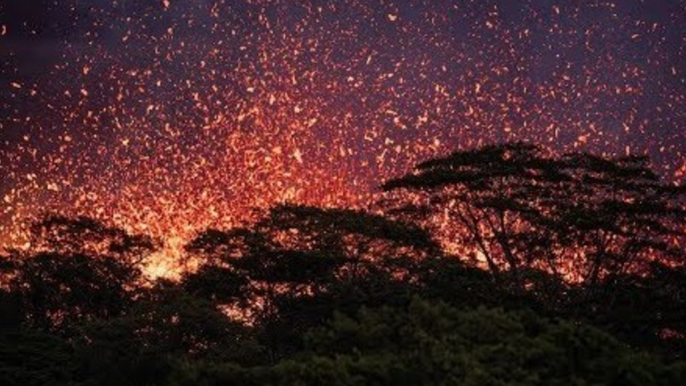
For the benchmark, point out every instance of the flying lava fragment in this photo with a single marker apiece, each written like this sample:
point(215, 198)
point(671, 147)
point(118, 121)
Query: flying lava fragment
point(170, 117)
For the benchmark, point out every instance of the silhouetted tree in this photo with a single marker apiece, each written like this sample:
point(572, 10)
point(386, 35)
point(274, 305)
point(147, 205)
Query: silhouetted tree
point(285, 269)
point(579, 216)
point(86, 236)
point(75, 271)
point(302, 250)
point(310, 295)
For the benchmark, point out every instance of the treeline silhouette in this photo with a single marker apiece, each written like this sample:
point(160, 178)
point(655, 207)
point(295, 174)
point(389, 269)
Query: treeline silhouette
point(503, 265)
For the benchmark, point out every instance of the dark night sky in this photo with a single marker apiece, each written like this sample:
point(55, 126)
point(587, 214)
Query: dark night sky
point(153, 113)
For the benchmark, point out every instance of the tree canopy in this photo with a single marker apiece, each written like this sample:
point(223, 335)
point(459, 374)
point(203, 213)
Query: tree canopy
point(579, 216)
point(569, 271)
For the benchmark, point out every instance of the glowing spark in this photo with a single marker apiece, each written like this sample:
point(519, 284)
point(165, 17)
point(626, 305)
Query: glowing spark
point(297, 154)
point(178, 125)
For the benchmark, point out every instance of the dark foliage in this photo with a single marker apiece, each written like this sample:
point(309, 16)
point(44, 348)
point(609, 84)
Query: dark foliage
point(578, 216)
point(584, 285)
